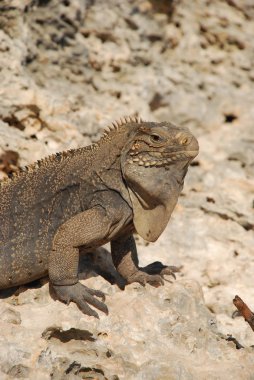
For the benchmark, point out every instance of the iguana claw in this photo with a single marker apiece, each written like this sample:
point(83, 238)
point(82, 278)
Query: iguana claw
point(143, 278)
point(153, 274)
point(82, 296)
point(158, 268)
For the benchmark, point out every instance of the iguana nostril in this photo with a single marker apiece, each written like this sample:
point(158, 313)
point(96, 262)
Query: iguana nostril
point(184, 140)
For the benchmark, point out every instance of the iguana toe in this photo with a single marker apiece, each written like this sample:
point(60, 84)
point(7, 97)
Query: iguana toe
point(82, 296)
point(158, 268)
point(83, 306)
point(95, 292)
point(143, 278)
point(169, 271)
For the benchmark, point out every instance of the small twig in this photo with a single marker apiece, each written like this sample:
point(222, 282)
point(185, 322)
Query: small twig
point(244, 310)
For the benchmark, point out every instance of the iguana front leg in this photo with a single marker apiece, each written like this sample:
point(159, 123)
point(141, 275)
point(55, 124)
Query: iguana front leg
point(84, 229)
point(125, 259)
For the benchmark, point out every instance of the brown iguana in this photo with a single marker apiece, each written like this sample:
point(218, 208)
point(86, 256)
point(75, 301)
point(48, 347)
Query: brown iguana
point(128, 181)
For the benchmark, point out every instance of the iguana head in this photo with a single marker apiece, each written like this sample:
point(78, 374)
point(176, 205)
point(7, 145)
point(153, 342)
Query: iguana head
point(154, 163)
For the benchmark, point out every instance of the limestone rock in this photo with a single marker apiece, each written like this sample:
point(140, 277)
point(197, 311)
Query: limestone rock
point(69, 68)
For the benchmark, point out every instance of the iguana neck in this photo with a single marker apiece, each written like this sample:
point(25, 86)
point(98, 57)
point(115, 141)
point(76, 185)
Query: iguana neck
point(164, 191)
point(154, 198)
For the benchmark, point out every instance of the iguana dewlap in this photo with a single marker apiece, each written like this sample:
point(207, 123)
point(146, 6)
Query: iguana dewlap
point(127, 182)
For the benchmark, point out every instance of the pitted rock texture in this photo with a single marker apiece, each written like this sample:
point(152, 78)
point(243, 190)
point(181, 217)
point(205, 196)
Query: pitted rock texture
point(148, 334)
point(67, 69)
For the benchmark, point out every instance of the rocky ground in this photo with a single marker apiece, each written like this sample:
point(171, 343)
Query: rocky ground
point(67, 69)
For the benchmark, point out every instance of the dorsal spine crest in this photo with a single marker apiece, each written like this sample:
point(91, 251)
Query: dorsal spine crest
point(59, 156)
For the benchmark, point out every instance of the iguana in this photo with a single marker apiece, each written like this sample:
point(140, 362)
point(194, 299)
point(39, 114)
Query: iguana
point(129, 181)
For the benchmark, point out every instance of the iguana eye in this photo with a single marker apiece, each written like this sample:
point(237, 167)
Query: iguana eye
point(156, 138)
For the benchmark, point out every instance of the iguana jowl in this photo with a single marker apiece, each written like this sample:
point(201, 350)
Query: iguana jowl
point(129, 181)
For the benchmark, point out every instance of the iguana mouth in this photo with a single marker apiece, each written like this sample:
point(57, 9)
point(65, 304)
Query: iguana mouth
point(163, 159)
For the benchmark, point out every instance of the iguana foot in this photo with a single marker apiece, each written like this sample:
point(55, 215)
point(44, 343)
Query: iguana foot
point(82, 296)
point(143, 278)
point(153, 274)
point(158, 268)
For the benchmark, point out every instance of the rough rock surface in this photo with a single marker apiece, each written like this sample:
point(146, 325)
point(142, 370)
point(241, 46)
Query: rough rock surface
point(67, 68)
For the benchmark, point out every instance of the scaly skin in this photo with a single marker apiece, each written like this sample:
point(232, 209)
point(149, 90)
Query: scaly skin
point(127, 182)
